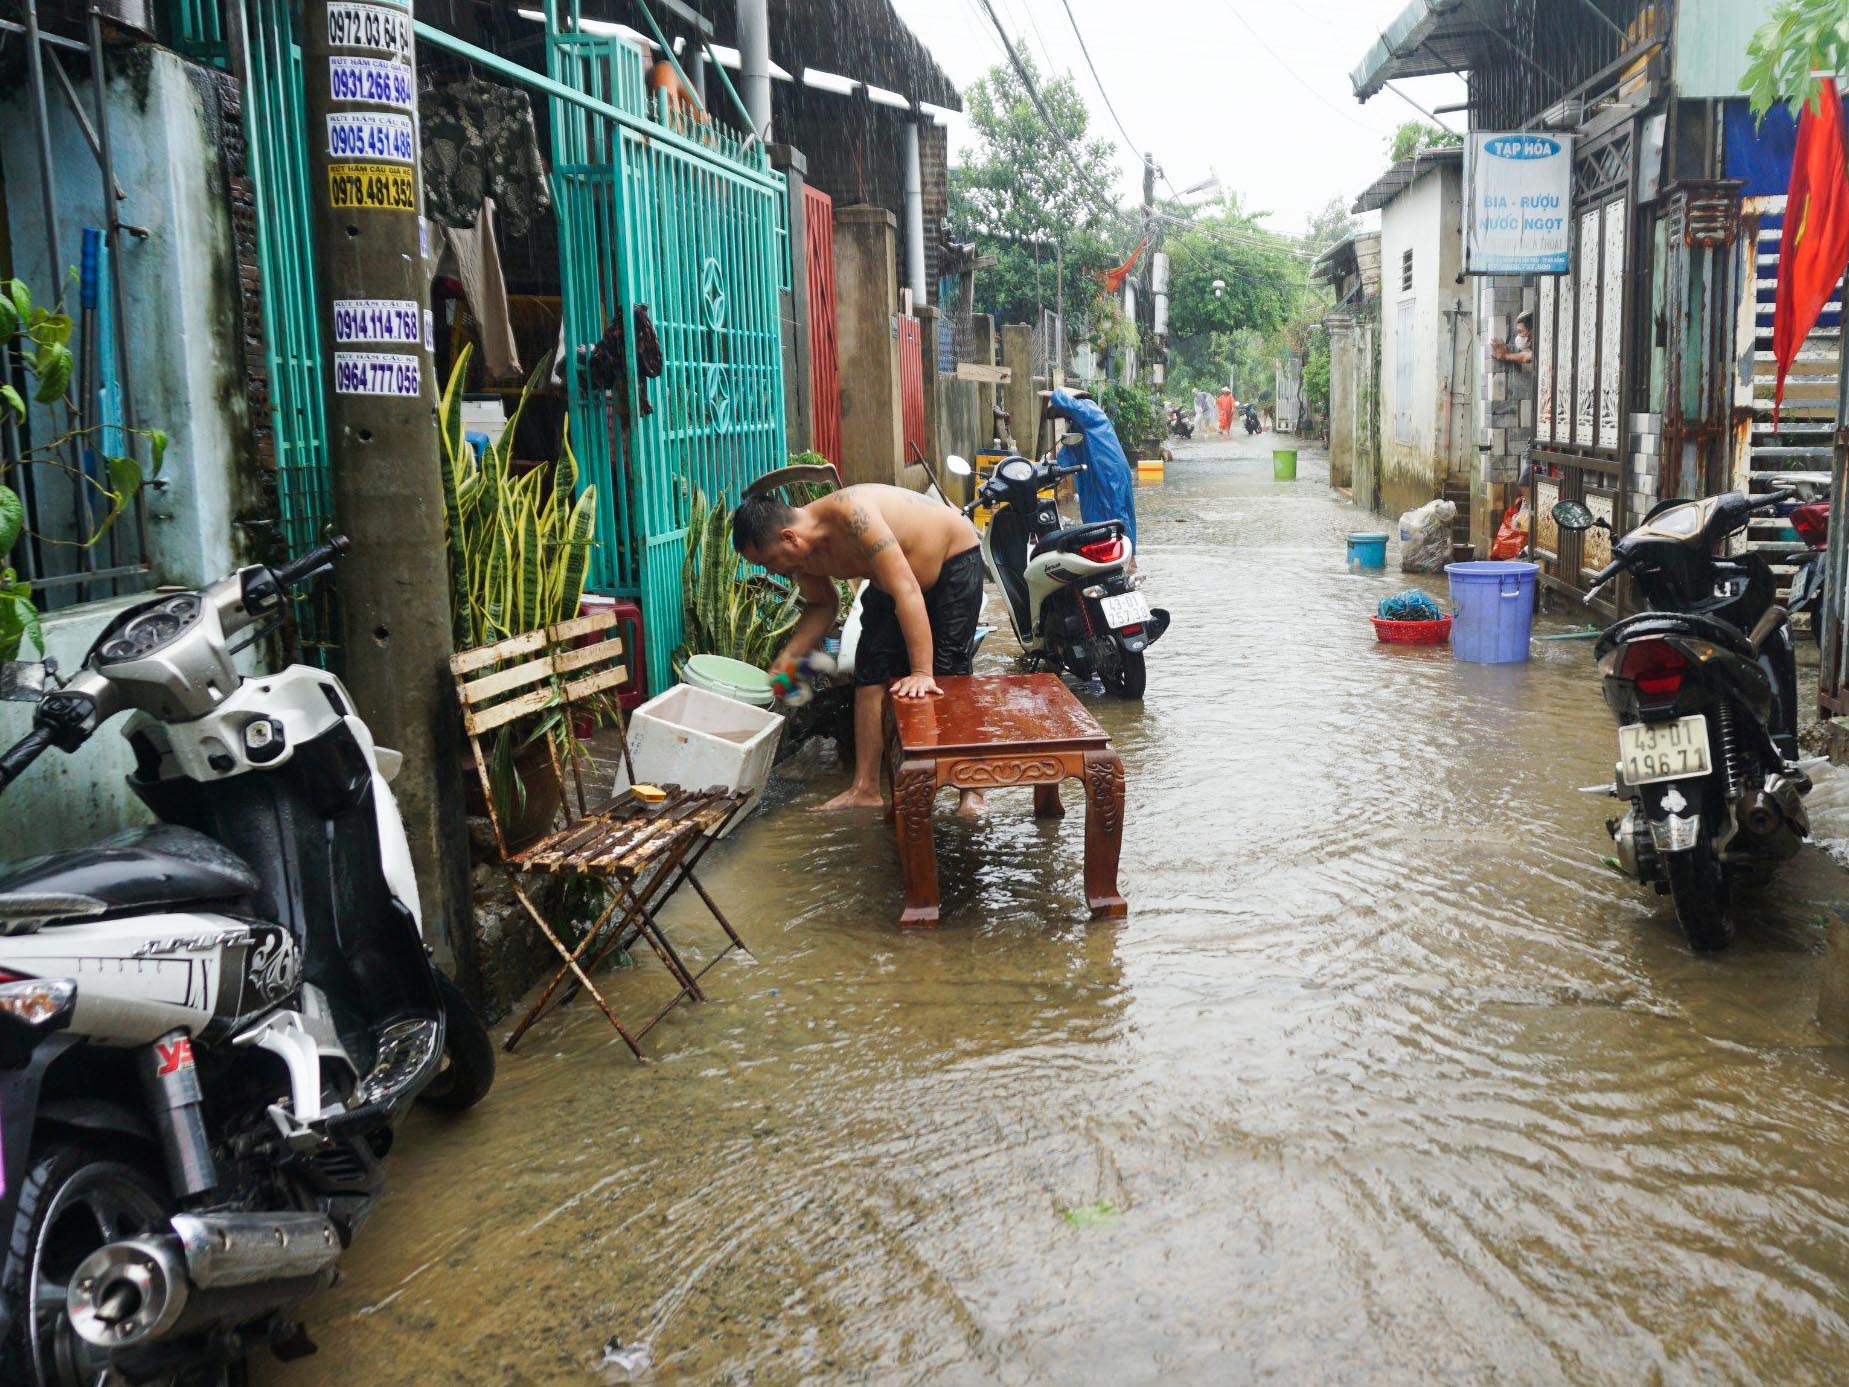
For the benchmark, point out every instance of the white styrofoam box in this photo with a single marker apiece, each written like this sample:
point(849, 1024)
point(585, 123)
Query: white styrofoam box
point(695, 739)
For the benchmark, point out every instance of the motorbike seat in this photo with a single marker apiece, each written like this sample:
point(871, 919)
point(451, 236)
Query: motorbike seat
point(141, 869)
point(1695, 625)
point(1073, 536)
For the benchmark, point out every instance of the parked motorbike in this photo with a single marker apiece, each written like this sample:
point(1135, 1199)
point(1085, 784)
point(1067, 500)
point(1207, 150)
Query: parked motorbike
point(1070, 595)
point(1811, 518)
point(208, 1027)
point(1704, 686)
point(1179, 424)
point(1252, 424)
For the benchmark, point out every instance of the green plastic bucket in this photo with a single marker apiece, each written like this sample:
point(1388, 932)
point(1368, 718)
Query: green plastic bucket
point(730, 678)
point(1284, 464)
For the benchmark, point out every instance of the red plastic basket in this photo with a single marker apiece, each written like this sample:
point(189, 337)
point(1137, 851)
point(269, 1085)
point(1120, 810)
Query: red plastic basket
point(1412, 632)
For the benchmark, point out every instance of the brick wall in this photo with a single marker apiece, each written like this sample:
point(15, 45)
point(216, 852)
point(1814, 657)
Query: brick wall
point(1505, 405)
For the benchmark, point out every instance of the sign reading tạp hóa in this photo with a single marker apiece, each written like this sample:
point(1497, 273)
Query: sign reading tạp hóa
point(1519, 201)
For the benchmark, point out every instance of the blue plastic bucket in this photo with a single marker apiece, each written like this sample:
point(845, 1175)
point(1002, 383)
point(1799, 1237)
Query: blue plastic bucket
point(1367, 551)
point(1495, 608)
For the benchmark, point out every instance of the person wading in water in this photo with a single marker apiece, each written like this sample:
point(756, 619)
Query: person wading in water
point(924, 566)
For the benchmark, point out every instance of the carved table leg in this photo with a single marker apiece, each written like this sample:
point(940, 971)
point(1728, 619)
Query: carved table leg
point(913, 794)
point(1046, 802)
point(1104, 827)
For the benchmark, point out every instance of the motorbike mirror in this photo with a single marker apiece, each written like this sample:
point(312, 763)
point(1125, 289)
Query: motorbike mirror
point(1571, 515)
point(1071, 440)
point(956, 466)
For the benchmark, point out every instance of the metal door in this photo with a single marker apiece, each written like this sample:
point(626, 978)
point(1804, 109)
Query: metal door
point(824, 341)
point(911, 386)
point(680, 219)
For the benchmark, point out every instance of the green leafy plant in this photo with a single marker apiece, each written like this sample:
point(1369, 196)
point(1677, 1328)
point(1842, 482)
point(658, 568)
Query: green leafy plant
point(38, 338)
point(519, 551)
point(519, 547)
point(1132, 414)
point(1798, 39)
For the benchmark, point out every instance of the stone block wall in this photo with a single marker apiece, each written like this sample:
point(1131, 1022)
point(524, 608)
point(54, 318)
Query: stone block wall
point(1505, 405)
point(1643, 466)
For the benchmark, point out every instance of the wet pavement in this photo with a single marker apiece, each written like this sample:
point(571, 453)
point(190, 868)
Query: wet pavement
point(1385, 1078)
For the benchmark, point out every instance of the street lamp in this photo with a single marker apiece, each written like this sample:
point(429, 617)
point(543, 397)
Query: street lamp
point(1210, 184)
point(1219, 287)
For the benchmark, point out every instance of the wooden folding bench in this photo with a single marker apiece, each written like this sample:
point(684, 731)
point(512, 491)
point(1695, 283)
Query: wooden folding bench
point(642, 852)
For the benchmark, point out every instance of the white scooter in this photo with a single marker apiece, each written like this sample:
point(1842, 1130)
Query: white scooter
point(1070, 594)
point(209, 1027)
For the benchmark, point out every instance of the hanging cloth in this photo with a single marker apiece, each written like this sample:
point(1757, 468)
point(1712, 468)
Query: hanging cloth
point(478, 265)
point(480, 142)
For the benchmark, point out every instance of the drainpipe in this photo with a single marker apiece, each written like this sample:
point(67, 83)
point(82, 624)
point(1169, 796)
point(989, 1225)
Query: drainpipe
point(754, 63)
point(914, 217)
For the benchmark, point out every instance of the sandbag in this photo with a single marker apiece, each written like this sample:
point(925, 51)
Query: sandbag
point(1425, 537)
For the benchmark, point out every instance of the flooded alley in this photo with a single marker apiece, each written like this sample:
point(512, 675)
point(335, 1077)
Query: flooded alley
point(1385, 1078)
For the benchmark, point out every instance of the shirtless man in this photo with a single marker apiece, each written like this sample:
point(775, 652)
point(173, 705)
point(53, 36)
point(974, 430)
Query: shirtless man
point(923, 564)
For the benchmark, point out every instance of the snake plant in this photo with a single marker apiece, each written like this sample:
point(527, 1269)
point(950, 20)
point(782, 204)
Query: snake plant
point(519, 546)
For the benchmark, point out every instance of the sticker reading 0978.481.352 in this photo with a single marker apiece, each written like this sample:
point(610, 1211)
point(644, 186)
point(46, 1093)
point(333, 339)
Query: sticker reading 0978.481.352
point(374, 187)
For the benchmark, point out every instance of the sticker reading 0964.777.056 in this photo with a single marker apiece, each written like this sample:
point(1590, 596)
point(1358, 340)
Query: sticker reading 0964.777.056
point(376, 373)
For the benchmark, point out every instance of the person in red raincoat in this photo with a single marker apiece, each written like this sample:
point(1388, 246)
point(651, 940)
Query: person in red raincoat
point(1226, 410)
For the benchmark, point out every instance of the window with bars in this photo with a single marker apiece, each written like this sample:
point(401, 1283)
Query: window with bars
point(1406, 271)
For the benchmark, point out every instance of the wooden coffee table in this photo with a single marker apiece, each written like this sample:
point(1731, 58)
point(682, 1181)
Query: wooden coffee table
point(994, 733)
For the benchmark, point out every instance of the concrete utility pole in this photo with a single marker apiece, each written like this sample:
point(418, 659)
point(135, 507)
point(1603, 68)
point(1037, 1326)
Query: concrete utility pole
point(1149, 235)
point(370, 252)
point(914, 214)
point(754, 63)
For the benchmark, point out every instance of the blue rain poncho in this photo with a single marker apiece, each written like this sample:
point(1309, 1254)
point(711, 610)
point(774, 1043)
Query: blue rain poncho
point(1107, 491)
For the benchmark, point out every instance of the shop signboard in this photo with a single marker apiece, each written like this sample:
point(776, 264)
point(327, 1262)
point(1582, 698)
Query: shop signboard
point(1519, 191)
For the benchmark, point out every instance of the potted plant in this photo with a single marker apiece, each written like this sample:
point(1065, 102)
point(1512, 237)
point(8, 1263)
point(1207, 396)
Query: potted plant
point(519, 550)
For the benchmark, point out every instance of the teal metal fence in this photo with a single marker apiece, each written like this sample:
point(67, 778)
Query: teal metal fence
point(276, 133)
point(667, 209)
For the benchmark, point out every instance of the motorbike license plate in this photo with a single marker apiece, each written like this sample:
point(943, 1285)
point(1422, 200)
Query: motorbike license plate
point(1654, 751)
point(1125, 609)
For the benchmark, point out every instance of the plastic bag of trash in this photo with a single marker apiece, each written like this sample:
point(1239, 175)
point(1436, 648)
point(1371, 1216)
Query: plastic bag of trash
point(1425, 537)
point(1512, 534)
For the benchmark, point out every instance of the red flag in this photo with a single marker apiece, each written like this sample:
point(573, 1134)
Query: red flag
point(1114, 279)
point(1815, 244)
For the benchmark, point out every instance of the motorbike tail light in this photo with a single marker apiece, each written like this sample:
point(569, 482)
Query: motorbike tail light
point(1136, 630)
point(1812, 522)
point(1109, 550)
point(1656, 667)
point(37, 1001)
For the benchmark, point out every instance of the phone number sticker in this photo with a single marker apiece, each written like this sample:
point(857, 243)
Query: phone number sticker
point(378, 80)
point(376, 320)
point(374, 187)
point(369, 135)
point(368, 26)
point(376, 373)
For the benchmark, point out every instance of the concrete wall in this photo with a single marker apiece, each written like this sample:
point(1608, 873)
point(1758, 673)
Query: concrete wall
point(1427, 380)
point(1341, 401)
point(867, 295)
point(187, 364)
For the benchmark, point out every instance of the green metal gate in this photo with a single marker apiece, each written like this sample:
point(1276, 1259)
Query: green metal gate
point(276, 131)
point(684, 217)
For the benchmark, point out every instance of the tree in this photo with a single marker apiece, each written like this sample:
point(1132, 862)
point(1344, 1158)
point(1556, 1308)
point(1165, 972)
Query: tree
point(1331, 226)
point(1799, 37)
point(1415, 135)
point(1018, 196)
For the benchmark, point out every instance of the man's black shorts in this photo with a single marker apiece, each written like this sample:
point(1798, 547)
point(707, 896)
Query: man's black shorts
point(952, 604)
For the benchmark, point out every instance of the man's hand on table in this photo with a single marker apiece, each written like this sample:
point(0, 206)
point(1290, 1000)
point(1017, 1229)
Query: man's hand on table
point(916, 686)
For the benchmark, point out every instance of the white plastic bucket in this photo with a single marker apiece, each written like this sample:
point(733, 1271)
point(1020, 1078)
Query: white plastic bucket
point(696, 739)
point(729, 679)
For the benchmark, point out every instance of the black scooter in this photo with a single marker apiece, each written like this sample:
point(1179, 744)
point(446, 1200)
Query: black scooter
point(1252, 424)
point(1704, 686)
point(1179, 424)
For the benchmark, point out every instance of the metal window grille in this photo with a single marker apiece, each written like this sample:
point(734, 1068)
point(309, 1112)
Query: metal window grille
point(1406, 271)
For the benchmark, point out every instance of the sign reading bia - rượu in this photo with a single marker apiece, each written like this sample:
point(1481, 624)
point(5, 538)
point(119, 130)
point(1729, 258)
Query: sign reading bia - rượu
point(1520, 190)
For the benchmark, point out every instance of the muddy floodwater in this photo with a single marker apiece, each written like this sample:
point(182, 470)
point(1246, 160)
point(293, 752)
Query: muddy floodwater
point(1385, 1078)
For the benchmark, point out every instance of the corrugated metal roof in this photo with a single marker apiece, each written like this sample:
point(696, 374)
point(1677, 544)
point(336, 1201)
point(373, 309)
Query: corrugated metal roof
point(1403, 175)
point(1430, 36)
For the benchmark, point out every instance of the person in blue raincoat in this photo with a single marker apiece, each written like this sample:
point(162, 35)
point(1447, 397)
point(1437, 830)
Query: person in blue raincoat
point(1107, 490)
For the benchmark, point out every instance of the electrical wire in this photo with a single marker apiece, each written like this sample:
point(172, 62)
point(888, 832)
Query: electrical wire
point(1079, 34)
point(1301, 81)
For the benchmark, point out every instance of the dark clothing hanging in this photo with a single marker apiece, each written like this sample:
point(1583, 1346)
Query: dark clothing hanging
point(480, 142)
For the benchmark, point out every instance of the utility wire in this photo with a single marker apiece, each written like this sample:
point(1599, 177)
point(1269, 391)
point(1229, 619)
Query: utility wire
point(1315, 91)
point(1096, 78)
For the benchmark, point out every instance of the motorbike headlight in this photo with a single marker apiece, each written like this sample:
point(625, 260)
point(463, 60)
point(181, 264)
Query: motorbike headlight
point(38, 1002)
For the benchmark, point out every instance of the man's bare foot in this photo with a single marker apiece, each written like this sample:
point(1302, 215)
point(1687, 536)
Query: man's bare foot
point(852, 798)
point(972, 804)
